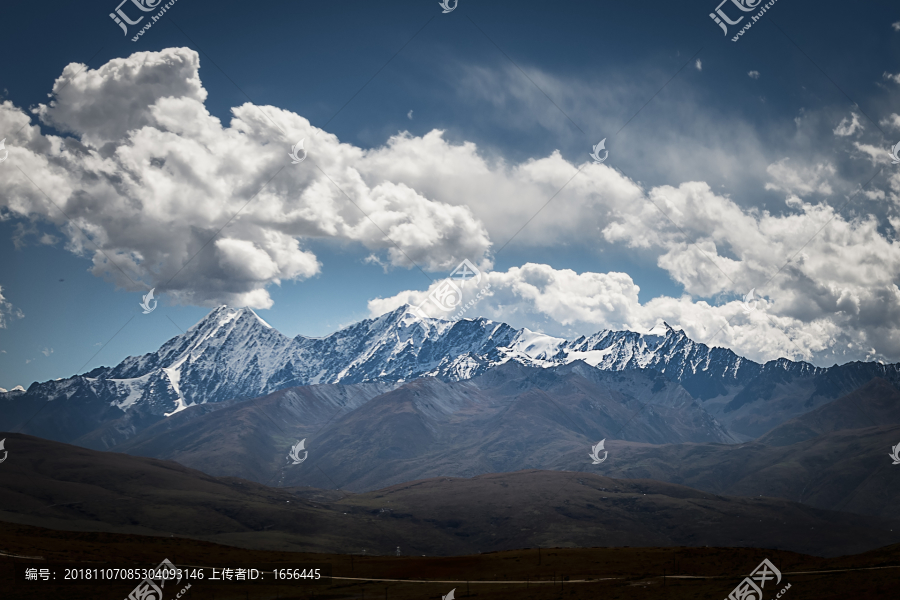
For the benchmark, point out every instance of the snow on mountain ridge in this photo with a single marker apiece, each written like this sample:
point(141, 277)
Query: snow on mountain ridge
point(538, 346)
point(233, 353)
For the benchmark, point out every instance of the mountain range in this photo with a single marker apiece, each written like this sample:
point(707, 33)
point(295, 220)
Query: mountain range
point(509, 418)
point(515, 417)
point(232, 355)
point(401, 399)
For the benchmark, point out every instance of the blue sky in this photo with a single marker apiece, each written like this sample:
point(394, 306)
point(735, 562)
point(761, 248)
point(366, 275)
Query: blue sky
point(726, 159)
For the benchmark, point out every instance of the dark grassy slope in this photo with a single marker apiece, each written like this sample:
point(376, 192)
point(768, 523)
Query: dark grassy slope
point(835, 457)
point(66, 487)
point(545, 574)
point(875, 404)
point(845, 470)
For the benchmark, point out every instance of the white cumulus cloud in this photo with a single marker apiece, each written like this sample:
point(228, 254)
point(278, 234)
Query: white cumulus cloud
point(848, 127)
point(7, 311)
point(160, 193)
point(835, 300)
point(149, 180)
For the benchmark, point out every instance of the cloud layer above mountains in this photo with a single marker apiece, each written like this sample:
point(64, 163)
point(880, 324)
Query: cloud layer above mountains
point(154, 181)
point(159, 193)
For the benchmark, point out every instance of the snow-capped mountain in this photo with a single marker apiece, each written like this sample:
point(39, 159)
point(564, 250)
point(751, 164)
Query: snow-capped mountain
point(234, 354)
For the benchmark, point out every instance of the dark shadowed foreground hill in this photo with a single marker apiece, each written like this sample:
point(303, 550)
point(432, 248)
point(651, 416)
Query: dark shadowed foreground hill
point(673, 573)
point(59, 486)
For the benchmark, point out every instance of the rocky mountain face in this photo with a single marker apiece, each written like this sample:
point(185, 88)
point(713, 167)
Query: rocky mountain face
point(232, 354)
point(836, 457)
point(510, 418)
point(875, 404)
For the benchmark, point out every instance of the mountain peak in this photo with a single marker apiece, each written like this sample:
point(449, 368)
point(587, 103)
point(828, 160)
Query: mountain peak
point(409, 312)
point(258, 318)
point(663, 329)
point(222, 315)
